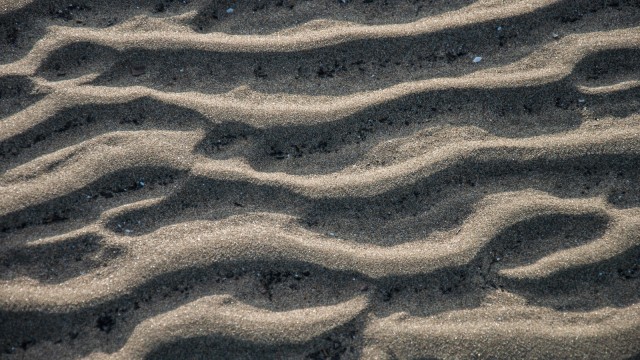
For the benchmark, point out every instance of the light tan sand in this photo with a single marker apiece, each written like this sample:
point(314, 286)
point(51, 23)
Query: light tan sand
point(320, 179)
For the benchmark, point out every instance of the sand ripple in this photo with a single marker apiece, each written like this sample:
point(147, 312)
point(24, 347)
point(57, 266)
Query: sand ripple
point(184, 180)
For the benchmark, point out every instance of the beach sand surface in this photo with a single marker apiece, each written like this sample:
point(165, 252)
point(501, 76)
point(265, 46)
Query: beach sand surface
point(327, 179)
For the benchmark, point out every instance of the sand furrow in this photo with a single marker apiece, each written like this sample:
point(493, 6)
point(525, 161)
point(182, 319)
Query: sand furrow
point(269, 238)
point(84, 163)
point(263, 111)
point(331, 70)
point(302, 40)
point(254, 108)
point(129, 159)
point(625, 232)
point(226, 316)
point(377, 180)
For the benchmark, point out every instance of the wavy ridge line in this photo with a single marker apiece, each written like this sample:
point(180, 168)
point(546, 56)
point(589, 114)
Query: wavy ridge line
point(268, 110)
point(133, 151)
point(517, 331)
point(92, 159)
point(226, 316)
point(623, 233)
point(609, 89)
point(376, 181)
point(269, 237)
point(123, 36)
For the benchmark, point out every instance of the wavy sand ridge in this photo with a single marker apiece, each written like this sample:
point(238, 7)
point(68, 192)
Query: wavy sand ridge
point(83, 164)
point(316, 180)
point(270, 240)
point(60, 36)
point(221, 314)
point(516, 329)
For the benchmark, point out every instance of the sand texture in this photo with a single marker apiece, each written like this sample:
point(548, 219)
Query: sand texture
point(320, 179)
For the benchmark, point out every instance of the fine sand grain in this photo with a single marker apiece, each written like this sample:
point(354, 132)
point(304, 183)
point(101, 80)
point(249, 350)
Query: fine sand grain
point(322, 179)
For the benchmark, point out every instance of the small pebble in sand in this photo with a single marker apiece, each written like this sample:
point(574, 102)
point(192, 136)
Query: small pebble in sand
point(331, 234)
point(230, 11)
point(555, 36)
point(582, 101)
point(477, 59)
point(499, 28)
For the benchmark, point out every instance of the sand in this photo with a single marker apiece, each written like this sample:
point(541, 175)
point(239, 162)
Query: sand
point(357, 179)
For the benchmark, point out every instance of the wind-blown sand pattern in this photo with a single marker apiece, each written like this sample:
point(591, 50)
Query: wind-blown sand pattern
point(320, 179)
